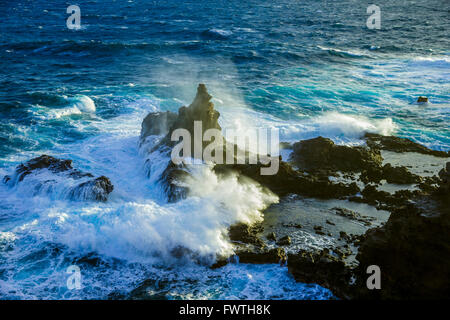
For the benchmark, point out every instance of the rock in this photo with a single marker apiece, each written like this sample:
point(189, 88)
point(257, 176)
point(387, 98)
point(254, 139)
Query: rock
point(318, 230)
point(271, 236)
point(352, 215)
point(444, 183)
point(344, 236)
point(397, 144)
point(321, 267)
point(201, 109)
point(330, 223)
point(399, 175)
point(157, 123)
point(383, 200)
point(50, 163)
point(412, 251)
point(245, 233)
point(262, 256)
point(322, 154)
point(284, 241)
point(290, 181)
point(286, 181)
point(89, 189)
point(97, 189)
point(422, 99)
point(171, 181)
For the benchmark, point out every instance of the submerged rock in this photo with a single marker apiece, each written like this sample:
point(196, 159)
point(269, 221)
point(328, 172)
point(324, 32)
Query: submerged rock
point(89, 189)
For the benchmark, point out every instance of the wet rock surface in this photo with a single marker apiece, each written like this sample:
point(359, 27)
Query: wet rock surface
point(55, 173)
point(157, 123)
point(321, 267)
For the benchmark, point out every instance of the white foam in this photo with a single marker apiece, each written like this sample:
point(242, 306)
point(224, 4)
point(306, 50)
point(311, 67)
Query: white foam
point(136, 224)
point(342, 128)
point(83, 103)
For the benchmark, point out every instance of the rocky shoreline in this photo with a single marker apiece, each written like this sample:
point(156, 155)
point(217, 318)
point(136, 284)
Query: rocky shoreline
point(341, 208)
point(318, 172)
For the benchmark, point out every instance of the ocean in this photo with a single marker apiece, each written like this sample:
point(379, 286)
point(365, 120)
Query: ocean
point(307, 68)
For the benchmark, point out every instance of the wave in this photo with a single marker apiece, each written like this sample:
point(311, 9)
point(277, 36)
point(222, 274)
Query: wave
point(71, 106)
point(216, 34)
point(345, 53)
point(341, 128)
point(137, 224)
point(432, 62)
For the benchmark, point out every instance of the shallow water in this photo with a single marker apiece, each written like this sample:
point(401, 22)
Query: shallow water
point(308, 68)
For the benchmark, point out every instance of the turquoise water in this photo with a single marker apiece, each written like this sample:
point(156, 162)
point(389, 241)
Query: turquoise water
point(306, 67)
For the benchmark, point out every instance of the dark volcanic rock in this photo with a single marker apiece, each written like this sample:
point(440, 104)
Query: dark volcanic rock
point(352, 215)
point(399, 175)
point(157, 123)
point(97, 189)
point(397, 144)
point(245, 233)
point(288, 180)
point(321, 267)
point(284, 241)
point(50, 163)
point(171, 181)
point(412, 248)
point(322, 154)
point(413, 252)
point(262, 255)
point(444, 184)
point(89, 189)
point(202, 110)
point(422, 99)
point(164, 123)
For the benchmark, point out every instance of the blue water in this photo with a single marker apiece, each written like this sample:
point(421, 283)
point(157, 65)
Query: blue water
point(306, 67)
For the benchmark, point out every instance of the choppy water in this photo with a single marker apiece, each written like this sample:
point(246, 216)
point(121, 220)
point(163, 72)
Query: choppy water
point(307, 67)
